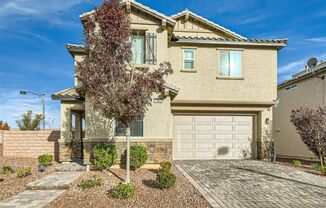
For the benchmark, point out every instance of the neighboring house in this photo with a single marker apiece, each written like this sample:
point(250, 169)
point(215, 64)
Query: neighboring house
point(304, 90)
point(217, 103)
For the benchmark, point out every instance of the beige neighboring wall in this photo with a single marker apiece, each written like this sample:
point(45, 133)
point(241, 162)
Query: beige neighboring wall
point(308, 93)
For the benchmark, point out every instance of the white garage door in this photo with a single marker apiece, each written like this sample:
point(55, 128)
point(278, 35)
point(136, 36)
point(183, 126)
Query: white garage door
point(212, 137)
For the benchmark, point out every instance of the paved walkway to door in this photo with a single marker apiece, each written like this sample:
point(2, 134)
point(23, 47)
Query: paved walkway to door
point(42, 191)
point(249, 183)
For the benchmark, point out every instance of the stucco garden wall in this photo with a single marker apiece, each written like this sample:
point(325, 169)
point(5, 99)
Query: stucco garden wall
point(30, 143)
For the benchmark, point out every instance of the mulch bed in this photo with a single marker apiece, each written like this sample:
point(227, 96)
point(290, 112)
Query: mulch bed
point(147, 193)
point(11, 185)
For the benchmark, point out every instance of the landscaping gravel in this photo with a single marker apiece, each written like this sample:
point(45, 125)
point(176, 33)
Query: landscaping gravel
point(11, 185)
point(147, 194)
point(304, 168)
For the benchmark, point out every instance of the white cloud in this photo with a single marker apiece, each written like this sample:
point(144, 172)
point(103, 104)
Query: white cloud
point(51, 11)
point(251, 20)
point(13, 105)
point(317, 40)
point(297, 65)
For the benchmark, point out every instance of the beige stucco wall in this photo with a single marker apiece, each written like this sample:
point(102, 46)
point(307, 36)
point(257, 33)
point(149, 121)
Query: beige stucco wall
point(157, 124)
point(309, 93)
point(258, 83)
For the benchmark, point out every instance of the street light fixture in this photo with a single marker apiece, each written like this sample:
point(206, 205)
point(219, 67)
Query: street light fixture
point(42, 96)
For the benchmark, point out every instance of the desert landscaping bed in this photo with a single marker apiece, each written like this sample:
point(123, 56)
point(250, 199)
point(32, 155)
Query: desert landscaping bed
point(11, 185)
point(147, 194)
point(304, 167)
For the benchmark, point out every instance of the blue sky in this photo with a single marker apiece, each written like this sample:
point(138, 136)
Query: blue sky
point(33, 34)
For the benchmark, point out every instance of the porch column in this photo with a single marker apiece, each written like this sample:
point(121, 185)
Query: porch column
point(65, 154)
point(77, 142)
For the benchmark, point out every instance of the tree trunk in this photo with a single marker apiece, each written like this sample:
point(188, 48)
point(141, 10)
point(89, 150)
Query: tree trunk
point(128, 154)
point(321, 156)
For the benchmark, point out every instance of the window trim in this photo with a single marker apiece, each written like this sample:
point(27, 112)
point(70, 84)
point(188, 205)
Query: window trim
point(219, 61)
point(131, 137)
point(183, 60)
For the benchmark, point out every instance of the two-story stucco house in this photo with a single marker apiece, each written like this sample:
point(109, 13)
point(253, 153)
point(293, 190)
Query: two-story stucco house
point(217, 103)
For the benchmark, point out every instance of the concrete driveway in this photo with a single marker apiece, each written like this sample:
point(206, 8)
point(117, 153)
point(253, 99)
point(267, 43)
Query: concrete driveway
point(250, 183)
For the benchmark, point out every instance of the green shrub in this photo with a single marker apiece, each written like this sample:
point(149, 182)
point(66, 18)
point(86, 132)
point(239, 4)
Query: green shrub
point(315, 166)
point(297, 163)
point(323, 170)
point(45, 159)
point(123, 191)
point(138, 157)
point(165, 180)
point(96, 180)
point(6, 170)
point(105, 155)
point(23, 172)
point(165, 166)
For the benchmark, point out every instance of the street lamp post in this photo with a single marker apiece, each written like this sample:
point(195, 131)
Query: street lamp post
point(42, 96)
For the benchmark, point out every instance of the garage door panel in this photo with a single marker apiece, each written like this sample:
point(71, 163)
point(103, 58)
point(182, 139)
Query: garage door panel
point(223, 127)
point(203, 137)
point(182, 119)
point(203, 127)
point(223, 119)
point(212, 137)
point(208, 119)
point(183, 127)
point(221, 137)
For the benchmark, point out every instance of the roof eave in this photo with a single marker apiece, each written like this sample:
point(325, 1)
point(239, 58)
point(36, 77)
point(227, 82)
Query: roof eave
point(208, 22)
point(217, 42)
point(303, 77)
point(137, 5)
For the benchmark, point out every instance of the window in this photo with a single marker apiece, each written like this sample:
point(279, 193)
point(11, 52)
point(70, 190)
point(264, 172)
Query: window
point(136, 129)
point(189, 59)
point(291, 87)
point(138, 49)
point(230, 64)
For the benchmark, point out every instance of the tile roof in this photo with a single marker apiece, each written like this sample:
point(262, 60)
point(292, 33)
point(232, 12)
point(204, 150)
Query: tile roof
point(140, 7)
point(262, 42)
point(66, 94)
point(208, 22)
point(75, 48)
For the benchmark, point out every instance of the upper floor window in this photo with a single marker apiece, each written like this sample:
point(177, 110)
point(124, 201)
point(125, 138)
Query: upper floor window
point(138, 49)
point(144, 48)
point(230, 63)
point(189, 59)
point(136, 128)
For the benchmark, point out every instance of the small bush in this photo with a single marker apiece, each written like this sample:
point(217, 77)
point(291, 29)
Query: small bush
point(23, 172)
point(315, 166)
point(165, 166)
point(6, 170)
point(96, 180)
point(165, 180)
point(45, 160)
point(297, 163)
point(323, 170)
point(105, 155)
point(123, 191)
point(4, 126)
point(138, 157)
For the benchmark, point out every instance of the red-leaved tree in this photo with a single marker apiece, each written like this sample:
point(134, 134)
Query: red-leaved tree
point(311, 126)
point(106, 76)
